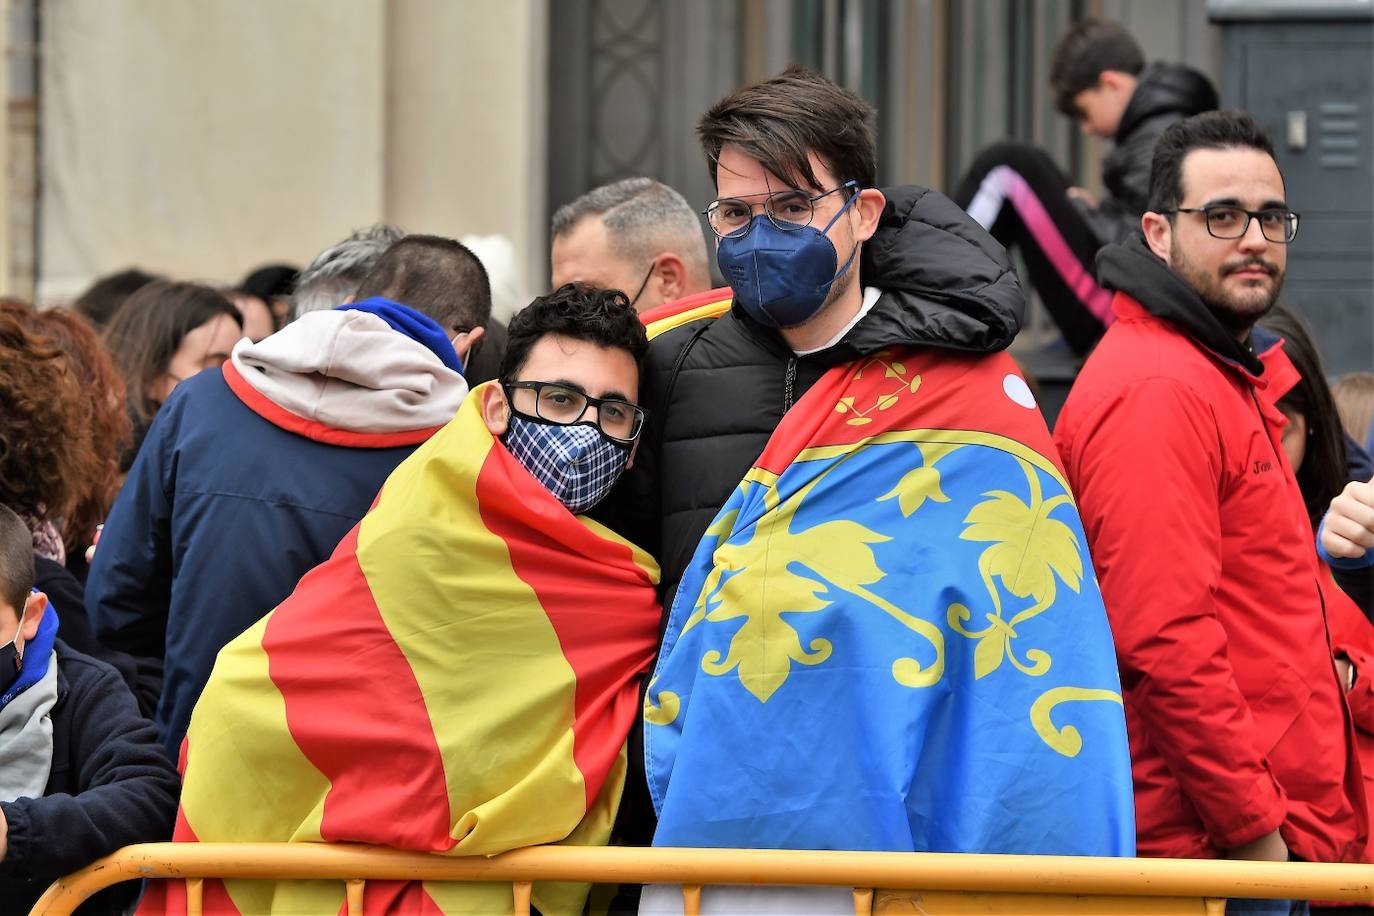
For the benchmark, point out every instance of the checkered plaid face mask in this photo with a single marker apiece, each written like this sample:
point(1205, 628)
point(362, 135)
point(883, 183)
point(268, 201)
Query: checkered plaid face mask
point(577, 464)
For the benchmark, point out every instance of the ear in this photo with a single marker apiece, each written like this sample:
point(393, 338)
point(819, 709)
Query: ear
point(495, 410)
point(868, 209)
point(671, 275)
point(463, 343)
point(1159, 234)
point(1117, 81)
point(34, 608)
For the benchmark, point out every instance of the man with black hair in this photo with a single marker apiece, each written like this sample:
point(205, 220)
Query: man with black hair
point(474, 638)
point(1241, 739)
point(1099, 78)
point(81, 772)
point(250, 475)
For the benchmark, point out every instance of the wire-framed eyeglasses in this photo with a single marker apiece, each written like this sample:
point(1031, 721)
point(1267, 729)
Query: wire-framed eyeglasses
point(555, 402)
point(789, 210)
point(1225, 221)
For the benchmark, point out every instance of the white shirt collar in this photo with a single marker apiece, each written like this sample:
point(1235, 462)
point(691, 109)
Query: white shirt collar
point(871, 294)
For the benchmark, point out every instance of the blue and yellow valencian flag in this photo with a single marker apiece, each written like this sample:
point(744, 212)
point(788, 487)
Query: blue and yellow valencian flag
point(891, 637)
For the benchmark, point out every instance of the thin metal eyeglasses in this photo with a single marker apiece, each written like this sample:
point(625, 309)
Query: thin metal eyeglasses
point(1225, 221)
point(789, 210)
point(557, 403)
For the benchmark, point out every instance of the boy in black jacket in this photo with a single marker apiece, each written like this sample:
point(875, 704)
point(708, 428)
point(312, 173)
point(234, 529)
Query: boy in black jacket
point(81, 773)
point(1015, 191)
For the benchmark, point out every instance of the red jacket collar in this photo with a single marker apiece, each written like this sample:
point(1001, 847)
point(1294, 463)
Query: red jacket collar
point(1280, 375)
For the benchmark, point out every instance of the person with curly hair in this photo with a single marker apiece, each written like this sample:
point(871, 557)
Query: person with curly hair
point(46, 448)
point(54, 469)
point(111, 431)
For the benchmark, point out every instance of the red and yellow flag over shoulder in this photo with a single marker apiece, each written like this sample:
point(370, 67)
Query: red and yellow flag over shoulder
point(459, 677)
point(711, 303)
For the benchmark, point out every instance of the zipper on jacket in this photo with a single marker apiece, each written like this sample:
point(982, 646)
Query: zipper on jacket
point(788, 382)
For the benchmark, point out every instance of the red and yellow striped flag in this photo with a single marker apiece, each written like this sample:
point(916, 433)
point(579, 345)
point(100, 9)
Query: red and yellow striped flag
point(459, 677)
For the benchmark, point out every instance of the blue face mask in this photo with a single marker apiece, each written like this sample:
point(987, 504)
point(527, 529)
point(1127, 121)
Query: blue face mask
point(577, 464)
point(781, 277)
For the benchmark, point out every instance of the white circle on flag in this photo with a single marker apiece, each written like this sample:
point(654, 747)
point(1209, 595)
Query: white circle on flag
point(1019, 392)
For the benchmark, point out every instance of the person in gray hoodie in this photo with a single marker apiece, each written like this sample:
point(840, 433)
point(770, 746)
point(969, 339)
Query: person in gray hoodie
point(252, 473)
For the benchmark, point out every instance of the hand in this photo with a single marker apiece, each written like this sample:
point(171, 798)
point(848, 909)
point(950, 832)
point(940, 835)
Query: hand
point(1343, 671)
point(1084, 195)
point(4, 835)
point(1349, 528)
point(1268, 848)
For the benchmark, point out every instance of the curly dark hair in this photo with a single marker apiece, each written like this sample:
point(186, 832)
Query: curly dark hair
point(46, 454)
point(600, 316)
point(111, 431)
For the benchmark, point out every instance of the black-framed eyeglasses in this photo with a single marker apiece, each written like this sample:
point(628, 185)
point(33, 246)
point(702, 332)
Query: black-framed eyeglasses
point(1225, 221)
point(555, 402)
point(789, 210)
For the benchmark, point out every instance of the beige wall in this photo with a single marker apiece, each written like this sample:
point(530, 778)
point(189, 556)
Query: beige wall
point(204, 138)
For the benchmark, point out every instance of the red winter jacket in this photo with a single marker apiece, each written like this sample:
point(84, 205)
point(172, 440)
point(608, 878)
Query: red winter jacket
point(1352, 636)
point(1206, 561)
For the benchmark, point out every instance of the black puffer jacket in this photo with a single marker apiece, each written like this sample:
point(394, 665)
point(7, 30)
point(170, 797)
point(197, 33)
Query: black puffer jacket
point(1164, 94)
point(717, 389)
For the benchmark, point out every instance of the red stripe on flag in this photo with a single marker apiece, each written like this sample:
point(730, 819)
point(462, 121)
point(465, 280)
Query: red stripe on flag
point(588, 613)
point(685, 304)
point(356, 711)
point(389, 898)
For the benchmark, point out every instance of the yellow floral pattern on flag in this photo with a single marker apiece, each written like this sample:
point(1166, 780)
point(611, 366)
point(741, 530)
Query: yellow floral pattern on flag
point(774, 570)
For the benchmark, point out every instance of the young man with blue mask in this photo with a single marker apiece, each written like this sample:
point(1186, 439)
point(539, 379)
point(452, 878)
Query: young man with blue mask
point(818, 464)
point(81, 772)
point(252, 473)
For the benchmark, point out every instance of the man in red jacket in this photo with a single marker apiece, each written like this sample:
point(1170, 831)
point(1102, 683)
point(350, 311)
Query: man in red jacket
point(1241, 740)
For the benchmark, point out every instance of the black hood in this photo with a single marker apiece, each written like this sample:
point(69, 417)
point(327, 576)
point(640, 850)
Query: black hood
point(945, 281)
point(1132, 268)
point(1167, 88)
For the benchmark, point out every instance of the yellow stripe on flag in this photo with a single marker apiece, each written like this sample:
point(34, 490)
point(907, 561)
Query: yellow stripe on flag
point(483, 651)
point(253, 791)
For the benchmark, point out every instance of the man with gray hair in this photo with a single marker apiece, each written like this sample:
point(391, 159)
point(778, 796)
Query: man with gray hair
point(333, 277)
point(636, 235)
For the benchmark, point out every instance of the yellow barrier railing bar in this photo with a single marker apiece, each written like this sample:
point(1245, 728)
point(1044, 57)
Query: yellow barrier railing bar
point(694, 868)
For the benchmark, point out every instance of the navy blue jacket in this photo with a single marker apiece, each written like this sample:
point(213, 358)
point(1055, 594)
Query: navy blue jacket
point(221, 515)
point(111, 785)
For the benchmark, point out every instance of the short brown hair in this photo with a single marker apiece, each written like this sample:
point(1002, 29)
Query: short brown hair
point(779, 121)
point(1089, 49)
point(16, 560)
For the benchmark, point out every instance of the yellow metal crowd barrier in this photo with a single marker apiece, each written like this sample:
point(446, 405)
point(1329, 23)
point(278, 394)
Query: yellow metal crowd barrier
point(945, 884)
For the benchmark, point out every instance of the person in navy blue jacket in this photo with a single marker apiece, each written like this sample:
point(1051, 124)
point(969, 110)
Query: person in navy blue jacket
point(81, 772)
point(252, 474)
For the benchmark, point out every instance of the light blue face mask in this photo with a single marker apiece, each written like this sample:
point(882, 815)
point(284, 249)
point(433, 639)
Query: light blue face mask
point(780, 277)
